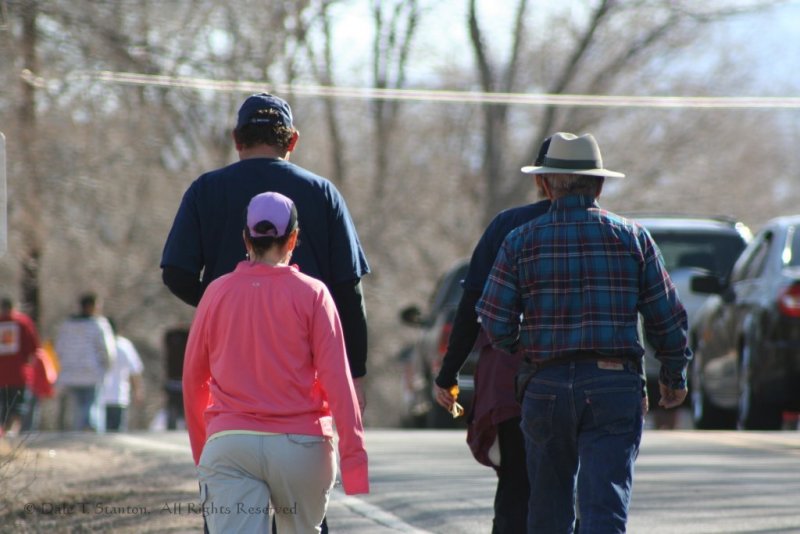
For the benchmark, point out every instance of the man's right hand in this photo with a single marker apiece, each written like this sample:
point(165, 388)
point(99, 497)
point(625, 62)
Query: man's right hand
point(671, 398)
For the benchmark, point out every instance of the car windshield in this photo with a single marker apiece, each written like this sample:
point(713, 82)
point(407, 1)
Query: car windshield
point(794, 258)
point(448, 290)
point(713, 251)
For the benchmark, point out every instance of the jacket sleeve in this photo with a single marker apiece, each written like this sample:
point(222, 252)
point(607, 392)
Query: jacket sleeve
point(196, 375)
point(183, 284)
point(500, 305)
point(665, 319)
point(106, 343)
point(30, 338)
point(349, 299)
point(330, 361)
point(462, 338)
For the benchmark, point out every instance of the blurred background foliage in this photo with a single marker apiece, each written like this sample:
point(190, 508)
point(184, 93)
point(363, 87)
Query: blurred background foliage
point(96, 167)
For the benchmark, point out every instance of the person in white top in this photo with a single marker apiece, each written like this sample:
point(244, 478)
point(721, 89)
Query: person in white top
point(122, 379)
point(86, 350)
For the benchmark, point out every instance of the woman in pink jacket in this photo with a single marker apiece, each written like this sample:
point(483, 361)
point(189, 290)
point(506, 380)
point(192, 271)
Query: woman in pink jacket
point(265, 374)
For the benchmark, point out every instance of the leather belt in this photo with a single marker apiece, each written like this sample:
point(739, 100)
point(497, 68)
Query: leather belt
point(529, 368)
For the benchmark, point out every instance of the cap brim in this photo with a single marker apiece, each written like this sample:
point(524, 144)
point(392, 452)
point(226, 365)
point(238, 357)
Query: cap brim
point(585, 172)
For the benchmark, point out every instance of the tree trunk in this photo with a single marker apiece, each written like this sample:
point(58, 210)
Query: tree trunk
point(495, 115)
point(28, 138)
point(391, 47)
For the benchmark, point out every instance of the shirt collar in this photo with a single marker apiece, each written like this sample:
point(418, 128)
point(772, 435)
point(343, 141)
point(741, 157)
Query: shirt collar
point(574, 202)
point(251, 267)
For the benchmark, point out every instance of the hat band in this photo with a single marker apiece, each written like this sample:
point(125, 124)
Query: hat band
point(572, 163)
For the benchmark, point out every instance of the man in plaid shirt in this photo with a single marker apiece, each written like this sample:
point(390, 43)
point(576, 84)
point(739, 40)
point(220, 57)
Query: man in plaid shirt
point(567, 289)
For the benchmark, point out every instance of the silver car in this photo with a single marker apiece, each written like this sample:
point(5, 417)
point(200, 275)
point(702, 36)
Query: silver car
point(689, 246)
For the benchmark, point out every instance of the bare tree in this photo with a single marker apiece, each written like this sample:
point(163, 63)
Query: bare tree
point(30, 192)
point(97, 168)
point(113, 146)
point(495, 116)
point(592, 54)
point(322, 65)
point(395, 25)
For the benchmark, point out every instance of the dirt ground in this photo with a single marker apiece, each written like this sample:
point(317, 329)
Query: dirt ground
point(64, 484)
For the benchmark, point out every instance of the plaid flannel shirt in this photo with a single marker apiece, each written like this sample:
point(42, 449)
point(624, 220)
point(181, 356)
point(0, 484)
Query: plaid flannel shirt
point(576, 279)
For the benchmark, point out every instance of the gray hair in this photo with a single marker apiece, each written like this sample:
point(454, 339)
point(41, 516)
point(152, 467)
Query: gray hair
point(573, 184)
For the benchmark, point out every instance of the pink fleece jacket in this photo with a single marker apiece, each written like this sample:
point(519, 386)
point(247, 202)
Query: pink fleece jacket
point(266, 353)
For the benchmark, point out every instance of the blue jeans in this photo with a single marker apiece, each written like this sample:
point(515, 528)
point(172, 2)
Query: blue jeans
point(116, 418)
point(582, 425)
point(82, 398)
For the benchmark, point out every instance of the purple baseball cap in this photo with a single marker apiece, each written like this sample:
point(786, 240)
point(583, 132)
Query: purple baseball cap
point(261, 101)
point(274, 209)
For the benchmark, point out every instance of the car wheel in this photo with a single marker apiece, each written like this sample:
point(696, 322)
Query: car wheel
point(705, 414)
point(753, 413)
point(438, 417)
point(416, 417)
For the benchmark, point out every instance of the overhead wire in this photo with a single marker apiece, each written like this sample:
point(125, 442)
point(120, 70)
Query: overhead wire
point(432, 95)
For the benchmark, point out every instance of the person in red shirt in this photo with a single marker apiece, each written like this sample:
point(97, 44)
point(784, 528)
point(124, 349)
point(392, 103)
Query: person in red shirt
point(265, 374)
point(18, 343)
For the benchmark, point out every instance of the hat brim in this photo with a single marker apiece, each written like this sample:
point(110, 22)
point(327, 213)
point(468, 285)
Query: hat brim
point(585, 172)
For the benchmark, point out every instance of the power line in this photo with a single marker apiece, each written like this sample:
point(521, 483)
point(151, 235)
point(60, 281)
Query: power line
point(429, 95)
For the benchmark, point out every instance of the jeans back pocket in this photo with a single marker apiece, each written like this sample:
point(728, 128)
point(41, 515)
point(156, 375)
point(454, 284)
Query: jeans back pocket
point(616, 409)
point(537, 416)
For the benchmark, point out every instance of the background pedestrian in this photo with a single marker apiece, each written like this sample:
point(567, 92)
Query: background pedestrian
point(86, 350)
point(122, 383)
point(19, 341)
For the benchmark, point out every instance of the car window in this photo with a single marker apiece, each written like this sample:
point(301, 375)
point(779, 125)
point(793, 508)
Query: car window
point(448, 290)
point(759, 259)
point(714, 251)
point(791, 252)
point(752, 263)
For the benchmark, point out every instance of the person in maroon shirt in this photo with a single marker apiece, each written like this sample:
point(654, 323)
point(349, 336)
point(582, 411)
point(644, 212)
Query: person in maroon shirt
point(18, 343)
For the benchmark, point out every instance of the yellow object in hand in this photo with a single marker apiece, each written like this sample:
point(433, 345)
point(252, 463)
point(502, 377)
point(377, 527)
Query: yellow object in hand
point(456, 410)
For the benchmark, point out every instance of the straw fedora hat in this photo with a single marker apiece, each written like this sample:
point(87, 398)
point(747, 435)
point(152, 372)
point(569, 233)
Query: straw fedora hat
point(570, 154)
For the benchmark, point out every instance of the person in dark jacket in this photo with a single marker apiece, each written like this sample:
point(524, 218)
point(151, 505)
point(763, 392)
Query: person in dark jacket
point(493, 431)
point(203, 243)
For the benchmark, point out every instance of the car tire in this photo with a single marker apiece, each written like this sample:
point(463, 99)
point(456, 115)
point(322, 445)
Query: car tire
point(414, 421)
point(438, 417)
point(705, 414)
point(754, 414)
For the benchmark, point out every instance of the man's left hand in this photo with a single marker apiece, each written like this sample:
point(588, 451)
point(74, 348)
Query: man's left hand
point(358, 385)
point(444, 398)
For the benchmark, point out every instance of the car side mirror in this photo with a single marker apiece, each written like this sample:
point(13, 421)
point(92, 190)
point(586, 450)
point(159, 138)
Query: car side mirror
point(712, 285)
point(728, 295)
point(412, 316)
point(707, 284)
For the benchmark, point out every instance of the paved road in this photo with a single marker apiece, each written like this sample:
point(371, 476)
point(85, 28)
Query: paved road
point(686, 482)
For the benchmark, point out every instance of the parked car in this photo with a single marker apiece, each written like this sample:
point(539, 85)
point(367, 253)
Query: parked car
point(747, 360)
point(690, 245)
point(422, 358)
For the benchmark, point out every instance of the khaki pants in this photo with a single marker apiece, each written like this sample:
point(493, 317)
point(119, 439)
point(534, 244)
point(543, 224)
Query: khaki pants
point(245, 479)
